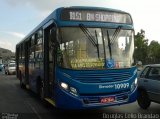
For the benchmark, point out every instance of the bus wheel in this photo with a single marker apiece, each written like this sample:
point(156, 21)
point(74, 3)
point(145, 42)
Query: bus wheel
point(143, 99)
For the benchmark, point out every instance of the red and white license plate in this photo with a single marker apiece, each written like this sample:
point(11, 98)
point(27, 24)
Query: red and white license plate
point(107, 99)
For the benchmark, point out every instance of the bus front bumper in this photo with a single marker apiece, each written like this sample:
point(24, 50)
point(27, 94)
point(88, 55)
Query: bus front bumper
point(66, 100)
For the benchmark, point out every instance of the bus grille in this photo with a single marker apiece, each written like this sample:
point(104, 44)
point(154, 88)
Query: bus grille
point(96, 100)
point(102, 77)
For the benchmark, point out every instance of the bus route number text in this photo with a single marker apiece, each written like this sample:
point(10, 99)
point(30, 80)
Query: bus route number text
point(75, 15)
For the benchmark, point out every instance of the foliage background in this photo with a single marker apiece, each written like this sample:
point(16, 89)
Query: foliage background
point(145, 52)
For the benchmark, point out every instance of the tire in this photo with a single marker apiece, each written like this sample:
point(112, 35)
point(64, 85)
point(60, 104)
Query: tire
point(143, 99)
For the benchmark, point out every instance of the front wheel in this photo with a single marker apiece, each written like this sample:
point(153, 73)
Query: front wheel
point(143, 99)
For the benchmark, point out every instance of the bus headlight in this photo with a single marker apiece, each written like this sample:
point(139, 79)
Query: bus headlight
point(64, 85)
point(71, 90)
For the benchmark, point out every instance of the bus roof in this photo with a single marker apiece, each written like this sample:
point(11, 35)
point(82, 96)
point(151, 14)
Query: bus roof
point(54, 16)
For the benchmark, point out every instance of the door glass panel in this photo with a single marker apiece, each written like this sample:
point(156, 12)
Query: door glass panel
point(144, 73)
point(154, 73)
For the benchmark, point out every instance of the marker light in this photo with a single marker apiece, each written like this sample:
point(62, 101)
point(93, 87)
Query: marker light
point(64, 85)
point(134, 84)
point(136, 80)
point(73, 90)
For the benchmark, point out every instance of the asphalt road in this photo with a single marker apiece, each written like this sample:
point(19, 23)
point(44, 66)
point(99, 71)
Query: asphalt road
point(16, 103)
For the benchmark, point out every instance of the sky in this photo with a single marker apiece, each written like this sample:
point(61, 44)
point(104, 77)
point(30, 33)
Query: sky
point(19, 17)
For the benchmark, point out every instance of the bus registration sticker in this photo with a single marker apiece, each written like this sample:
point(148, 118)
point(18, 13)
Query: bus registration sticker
point(107, 99)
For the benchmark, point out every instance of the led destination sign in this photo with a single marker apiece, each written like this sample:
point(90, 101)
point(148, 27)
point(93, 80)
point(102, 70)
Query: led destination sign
point(93, 15)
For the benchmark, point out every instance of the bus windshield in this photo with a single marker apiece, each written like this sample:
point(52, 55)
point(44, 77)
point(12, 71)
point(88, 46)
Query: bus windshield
point(119, 46)
point(91, 48)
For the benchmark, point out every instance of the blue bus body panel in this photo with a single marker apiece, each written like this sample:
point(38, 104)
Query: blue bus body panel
point(89, 81)
point(37, 73)
point(89, 86)
point(67, 101)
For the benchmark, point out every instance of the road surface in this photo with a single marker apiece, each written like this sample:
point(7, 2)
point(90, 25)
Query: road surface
point(16, 103)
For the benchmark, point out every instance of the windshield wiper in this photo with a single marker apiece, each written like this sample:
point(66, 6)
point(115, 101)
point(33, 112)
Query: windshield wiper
point(111, 41)
point(109, 44)
point(116, 33)
point(90, 37)
point(88, 34)
point(97, 43)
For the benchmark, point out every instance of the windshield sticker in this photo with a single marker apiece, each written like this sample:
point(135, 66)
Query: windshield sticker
point(110, 63)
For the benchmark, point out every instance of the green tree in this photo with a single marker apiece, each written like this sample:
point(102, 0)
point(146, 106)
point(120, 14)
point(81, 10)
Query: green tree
point(154, 50)
point(141, 47)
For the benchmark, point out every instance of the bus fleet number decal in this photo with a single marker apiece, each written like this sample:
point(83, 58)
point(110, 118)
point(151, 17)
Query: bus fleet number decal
point(121, 85)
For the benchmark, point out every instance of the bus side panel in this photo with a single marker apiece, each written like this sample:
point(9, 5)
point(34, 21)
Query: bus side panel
point(35, 61)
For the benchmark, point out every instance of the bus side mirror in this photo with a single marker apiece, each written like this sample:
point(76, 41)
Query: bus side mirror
point(54, 38)
point(53, 34)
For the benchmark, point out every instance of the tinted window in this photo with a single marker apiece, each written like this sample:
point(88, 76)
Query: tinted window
point(144, 72)
point(154, 73)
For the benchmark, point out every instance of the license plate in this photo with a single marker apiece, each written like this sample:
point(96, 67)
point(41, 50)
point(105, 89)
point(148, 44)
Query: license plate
point(107, 99)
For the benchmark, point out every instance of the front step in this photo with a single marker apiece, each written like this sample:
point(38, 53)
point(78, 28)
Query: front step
point(50, 101)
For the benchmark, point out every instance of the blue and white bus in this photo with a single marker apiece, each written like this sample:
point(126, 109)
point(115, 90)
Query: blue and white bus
point(80, 57)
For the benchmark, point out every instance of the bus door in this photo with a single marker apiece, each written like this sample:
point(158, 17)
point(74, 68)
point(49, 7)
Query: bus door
point(49, 64)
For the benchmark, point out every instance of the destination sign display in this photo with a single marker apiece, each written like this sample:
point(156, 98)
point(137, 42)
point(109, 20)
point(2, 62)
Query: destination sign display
point(93, 15)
